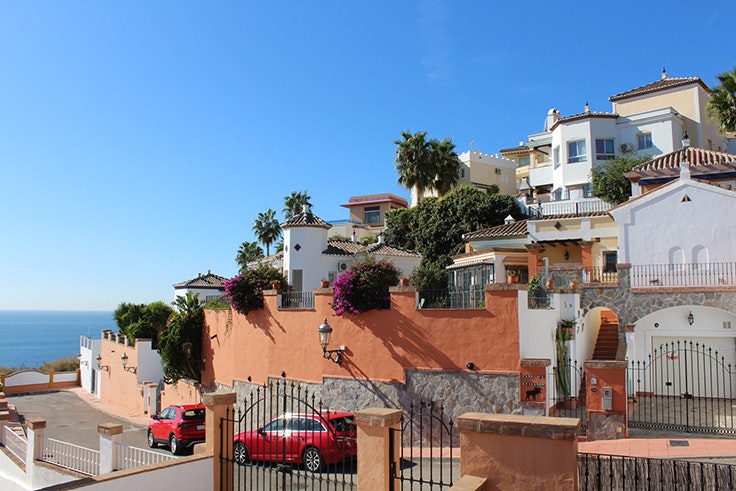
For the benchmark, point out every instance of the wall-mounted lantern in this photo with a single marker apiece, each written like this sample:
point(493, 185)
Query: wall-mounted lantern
point(334, 355)
point(100, 366)
point(124, 359)
point(690, 318)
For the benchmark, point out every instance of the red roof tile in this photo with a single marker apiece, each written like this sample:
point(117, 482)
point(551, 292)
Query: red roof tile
point(663, 84)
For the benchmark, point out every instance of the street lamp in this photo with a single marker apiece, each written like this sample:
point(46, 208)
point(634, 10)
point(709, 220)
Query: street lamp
point(690, 318)
point(100, 366)
point(334, 355)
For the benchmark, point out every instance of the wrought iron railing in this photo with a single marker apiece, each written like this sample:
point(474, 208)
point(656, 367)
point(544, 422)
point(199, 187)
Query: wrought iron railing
point(597, 472)
point(454, 298)
point(70, 456)
point(15, 443)
point(297, 300)
point(130, 457)
point(600, 275)
point(683, 275)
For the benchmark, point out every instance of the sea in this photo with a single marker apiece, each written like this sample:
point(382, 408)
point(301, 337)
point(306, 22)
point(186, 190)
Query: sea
point(30, 338)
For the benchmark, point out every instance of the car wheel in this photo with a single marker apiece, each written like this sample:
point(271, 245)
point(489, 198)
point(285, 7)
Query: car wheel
point(313, 461)
point(174, 445)
point(151, 440)
point(240, 454)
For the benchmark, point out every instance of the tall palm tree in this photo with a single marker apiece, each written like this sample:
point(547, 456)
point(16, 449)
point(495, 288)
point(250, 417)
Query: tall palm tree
point(722, 105)
point(447, 165)
point(267, 229)
point(248, 252)
point(414, 162)
point(294, 203)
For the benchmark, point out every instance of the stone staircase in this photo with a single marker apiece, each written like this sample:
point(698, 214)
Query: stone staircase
point(9, 417)
point(606, 345)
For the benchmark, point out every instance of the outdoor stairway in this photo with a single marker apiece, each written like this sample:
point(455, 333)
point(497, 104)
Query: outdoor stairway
point(9, 417)
point(606, 345)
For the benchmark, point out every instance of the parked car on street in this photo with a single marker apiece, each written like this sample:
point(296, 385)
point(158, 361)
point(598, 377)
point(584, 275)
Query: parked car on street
point(312, 439)
point(179, 427)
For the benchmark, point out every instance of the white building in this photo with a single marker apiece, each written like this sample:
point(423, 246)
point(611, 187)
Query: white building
point(310, 257)
point(209, 287)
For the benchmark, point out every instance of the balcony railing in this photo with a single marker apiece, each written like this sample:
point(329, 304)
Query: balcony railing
point(683, 275)
point(130, 457)
point(297, 300)
point(600, 275)
point(542, 210)
point(468, 298)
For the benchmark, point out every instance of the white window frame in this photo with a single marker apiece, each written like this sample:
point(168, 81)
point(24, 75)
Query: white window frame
point(578, 157)
point(605, 155)
point(647, 140)
point(556, 156)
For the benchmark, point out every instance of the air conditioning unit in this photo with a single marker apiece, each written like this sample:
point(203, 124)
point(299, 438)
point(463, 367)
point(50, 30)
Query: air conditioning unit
point(627, 147)
point(342, 266)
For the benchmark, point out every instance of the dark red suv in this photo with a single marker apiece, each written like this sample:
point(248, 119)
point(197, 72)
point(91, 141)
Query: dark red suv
point(179, 427)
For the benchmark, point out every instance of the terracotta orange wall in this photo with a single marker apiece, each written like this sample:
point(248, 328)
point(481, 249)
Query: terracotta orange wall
point(380, 344)
point(606, 377)
point(180, 393)
point(117, 386)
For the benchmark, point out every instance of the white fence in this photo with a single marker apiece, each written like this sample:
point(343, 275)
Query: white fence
point(17, 445)
point(70, 456)
point(130, 457)
point(683, 275)
point(568, 208)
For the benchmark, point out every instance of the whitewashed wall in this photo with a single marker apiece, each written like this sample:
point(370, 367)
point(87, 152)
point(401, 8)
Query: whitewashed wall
point(311, 241)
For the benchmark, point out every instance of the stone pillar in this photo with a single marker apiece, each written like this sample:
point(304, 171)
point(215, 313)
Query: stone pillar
point(219, 407)
point(533, 259)
point(609, 377)
point(586, 249)
point(374, 457)
point(36, 429)
point(111, 435)
point(520, 452)
point(533, 386)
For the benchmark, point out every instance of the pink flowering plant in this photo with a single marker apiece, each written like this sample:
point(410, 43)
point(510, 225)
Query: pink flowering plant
point(364, 286)
point(245, 291)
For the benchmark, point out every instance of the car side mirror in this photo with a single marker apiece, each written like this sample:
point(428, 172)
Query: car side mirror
point(155, 416)
point(261, 432)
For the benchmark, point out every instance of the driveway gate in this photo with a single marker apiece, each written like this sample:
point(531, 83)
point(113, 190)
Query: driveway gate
point(427, 440)
point(285, 439)
point(568, 398)
point(682, 386)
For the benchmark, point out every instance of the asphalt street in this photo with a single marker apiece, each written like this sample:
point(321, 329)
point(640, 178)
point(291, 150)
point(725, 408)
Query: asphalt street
point(73, 420)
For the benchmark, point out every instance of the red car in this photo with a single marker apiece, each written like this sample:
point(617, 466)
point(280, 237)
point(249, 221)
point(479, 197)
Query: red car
point(179, 427)
point(311, 439)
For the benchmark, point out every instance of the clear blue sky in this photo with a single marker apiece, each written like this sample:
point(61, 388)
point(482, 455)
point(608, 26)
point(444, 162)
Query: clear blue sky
point(139, 139)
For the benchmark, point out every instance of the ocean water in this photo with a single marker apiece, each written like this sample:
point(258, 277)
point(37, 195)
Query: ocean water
point(29, 338)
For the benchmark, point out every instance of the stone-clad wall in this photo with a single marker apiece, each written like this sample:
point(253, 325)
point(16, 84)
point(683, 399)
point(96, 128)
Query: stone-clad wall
point(631, 306)
point(458, 392)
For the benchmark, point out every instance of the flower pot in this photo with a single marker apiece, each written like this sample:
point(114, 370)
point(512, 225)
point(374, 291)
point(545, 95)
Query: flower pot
point(512, 279)
point(404, 282)
point(324, 284)
point(573, 284)
point(550, 284)
point(275, 285)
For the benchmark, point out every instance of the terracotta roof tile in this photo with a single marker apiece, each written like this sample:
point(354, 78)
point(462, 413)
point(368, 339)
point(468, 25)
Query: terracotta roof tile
point(515, 229)
point(208, 280)
point(575, 117)
point(663, 84)
point(339, 247)
point(305, 219)
point(701, 162)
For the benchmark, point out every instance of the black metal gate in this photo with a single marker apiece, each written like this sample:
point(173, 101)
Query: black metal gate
point(682, 386)
point(568, 399)
point(283, 438)
point(427, 439)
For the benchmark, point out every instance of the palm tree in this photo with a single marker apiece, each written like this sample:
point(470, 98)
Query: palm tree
point(414, 162)
point(722, 105)
point(267, 229)
point(294, 203)
point(447, 165)
point(248, 252)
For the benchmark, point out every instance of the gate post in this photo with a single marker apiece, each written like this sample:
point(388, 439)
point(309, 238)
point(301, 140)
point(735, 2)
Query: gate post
point(606, 399)
point(374, 458)
point(218, 406)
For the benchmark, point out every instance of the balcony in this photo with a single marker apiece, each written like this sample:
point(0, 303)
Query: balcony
point(683, 275)
point(606, 275)
point(542, 210)
point(297, 300)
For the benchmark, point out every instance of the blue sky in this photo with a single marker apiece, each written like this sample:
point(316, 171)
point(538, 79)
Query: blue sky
point(139, 140)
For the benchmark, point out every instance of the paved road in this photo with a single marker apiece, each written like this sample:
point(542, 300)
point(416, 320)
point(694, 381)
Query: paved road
point(73, 420)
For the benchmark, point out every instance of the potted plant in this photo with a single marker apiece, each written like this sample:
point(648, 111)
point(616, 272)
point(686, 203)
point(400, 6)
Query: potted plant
point(275, 285)
point(324, 283)
point(550, 284)
point(404, 281)
point(512, 276)
point(567, 326)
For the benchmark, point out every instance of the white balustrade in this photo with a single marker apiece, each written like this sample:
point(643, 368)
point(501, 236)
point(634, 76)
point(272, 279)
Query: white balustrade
point(17, 445)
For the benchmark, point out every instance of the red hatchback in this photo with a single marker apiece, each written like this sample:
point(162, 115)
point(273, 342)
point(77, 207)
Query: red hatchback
point(179, 427)
point(312, 439)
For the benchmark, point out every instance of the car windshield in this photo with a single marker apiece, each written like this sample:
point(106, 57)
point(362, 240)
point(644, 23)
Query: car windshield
point(193, 414)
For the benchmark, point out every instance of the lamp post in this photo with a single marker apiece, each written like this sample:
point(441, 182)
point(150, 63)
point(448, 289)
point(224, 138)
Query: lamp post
point(325, 332)
point(124, 359)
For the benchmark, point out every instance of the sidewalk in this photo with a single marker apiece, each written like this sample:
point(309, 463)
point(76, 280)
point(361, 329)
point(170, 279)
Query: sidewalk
point(666, 448)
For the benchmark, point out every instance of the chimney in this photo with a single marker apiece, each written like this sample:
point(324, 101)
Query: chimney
point(587, 108)
point(380, 237)
point(664, 73)
point(355, 239)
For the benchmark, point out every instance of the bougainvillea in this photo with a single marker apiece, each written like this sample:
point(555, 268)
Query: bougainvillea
point(364, 286)
point(245, 291)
